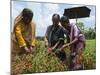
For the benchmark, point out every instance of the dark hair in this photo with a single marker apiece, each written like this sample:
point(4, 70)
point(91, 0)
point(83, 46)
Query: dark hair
point(27, 13)
point(56, 15)
point(64, 19)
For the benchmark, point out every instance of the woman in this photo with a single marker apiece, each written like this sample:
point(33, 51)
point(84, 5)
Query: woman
point(54, 38)
point(76, 43)
point(24, 32)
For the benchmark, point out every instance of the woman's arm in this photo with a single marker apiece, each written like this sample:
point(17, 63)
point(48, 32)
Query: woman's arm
point(72, 42)
point(68, 44)
point(19, 36)
point(54, 47)
point(20, 39)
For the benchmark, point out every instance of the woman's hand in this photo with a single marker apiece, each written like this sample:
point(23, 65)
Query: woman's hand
point(32, 48)
point(64, 46)
point(26, 49)
point(50, 50)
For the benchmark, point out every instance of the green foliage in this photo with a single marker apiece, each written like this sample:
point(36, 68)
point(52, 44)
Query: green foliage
point(81, 26)
point(90, 55)
point(40, 61)
point(90, 33)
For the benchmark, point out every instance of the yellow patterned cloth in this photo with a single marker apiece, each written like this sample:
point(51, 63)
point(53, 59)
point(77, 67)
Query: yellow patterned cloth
point(24, 34)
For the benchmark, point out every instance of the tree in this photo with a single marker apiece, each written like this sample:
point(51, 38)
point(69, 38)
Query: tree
point(81, 26)
point(90, 33)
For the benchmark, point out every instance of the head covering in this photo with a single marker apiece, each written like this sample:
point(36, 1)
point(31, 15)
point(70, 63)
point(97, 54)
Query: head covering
point(64, 19)
point(27, 13)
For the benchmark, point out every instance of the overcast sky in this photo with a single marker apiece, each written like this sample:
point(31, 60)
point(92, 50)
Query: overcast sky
point(44, 11)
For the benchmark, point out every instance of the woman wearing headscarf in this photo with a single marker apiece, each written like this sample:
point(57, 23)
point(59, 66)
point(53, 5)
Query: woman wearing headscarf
point(24, 32)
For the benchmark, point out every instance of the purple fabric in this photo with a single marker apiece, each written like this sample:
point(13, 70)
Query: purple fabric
point(74, 32)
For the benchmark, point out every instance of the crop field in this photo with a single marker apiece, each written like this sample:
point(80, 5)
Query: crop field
point(39, 60)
